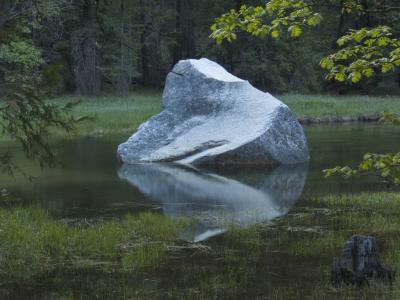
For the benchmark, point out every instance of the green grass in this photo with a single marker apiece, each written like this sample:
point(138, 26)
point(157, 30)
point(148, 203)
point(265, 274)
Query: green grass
point(291, 258)
point(32, 244)
point(126, 113)
point(315, 106)
point(288, 259)
point(339, 217)
point(114, 113)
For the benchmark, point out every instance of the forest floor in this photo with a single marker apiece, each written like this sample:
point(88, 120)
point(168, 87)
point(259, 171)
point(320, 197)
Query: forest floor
point(126, 113)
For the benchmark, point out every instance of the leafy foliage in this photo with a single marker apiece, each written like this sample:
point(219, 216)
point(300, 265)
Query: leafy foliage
point(291, 16)
point(386, 166)
point(20, 58)
point(350, 6)
point(390, 118)
point(104, 46)
point(27, 118)
point(24, 115)
point(365, 53)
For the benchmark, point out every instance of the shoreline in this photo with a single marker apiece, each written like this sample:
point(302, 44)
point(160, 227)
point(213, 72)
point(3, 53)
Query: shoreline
point(372, 118)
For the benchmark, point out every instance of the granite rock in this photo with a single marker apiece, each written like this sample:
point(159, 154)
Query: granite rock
point(210, 116)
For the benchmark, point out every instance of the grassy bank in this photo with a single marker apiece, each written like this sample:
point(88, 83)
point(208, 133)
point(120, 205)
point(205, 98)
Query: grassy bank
point(126, 113)
point(131, 258)
point(318, 106)
point(115, 113)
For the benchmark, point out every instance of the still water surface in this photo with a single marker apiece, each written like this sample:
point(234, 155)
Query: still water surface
point(93, 185)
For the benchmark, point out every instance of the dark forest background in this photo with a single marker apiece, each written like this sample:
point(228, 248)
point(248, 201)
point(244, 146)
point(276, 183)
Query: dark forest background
point(105, 46)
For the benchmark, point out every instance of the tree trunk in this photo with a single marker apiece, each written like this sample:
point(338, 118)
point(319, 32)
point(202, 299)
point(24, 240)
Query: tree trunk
point(177, 54)
point(84, 51)
point(189, 39)
point(341, 23)
point(144, 55)
point(124, 79)
point(367, 15)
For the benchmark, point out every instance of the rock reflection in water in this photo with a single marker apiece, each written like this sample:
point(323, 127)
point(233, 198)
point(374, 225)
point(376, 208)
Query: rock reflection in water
point(240, 197)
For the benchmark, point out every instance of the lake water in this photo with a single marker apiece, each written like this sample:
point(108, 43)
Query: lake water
point(92, 184)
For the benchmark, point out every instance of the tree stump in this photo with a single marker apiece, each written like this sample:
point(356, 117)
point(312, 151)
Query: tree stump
point(359, 263)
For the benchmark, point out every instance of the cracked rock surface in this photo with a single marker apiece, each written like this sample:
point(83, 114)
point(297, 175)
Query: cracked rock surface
point(210, 116)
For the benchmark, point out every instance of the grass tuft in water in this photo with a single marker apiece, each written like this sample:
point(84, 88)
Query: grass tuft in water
point(32, 244)
point(324, 230)
point(288, 259)
point(291, 258)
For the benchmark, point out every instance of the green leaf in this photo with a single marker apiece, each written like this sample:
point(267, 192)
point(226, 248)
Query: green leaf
point(275, 33)
point(382, 41)
point(386, 67)
point(314, 20)
point(355, 77)
point(385, 172)
point(368, 72)
point(340, 77)
point(341, 41)
point(295, 31)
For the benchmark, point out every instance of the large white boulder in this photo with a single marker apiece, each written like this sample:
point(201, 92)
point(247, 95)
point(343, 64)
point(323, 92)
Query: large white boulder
point(210, 116)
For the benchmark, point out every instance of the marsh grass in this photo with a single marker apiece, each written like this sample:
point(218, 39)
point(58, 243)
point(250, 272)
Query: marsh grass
point(31, 243)
point(126, 113)
point(375, 214)
point(291, 258)
point(113, 113)
point(287, 259)
point(339, 106)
